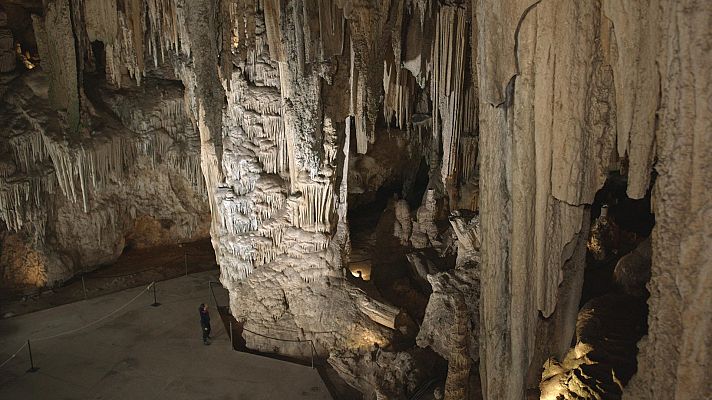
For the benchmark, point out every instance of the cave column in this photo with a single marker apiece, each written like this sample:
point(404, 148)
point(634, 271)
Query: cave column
point(675, 357)
point(205, 95)
point(56, 44)
point(540, 168)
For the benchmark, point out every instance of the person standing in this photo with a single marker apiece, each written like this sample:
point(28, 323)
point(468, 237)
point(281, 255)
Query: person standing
point(205, 323)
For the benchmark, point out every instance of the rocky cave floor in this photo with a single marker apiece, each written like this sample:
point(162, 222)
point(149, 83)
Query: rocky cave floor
point(135, 267)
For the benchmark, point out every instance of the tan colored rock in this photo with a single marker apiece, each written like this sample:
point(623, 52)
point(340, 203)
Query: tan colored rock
point(137, 181)
point(632, 271)
point(539, 169)
point(55, 42)
point(636, 36)
point(574, 73)
point(603, 359)
point(552, 94)
point(7, 47)
point(674, 359)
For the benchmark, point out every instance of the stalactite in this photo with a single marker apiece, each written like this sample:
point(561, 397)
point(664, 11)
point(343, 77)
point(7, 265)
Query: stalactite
point(315, 206)
point(132, 30)
point(162, 149)
point(398, 86)
point(29, 149)
point(447, 84)
point(95, 163)
point(468, 157)
point(272, 12)
point(420, 129)
point(55, 42)
point(469, 110)
point(331, 28)
point(357, 93)
point(21, 201)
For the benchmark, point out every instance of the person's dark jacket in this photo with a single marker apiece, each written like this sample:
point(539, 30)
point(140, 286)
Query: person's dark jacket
point(204, 318)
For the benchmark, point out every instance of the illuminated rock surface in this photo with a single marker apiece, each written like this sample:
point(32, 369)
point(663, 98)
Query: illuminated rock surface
point(458, 152)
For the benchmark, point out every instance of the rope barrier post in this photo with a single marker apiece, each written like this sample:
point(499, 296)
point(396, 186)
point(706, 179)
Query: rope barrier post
point(32, 361)
point(84, 287)
point(212, 294)
point(185, 257)
point(232, 342)
point(155, 302)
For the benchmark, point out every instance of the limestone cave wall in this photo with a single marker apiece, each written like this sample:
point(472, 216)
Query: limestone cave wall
point(74, 194)
point(467, 139)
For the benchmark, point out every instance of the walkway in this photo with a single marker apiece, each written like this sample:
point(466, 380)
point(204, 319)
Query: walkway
point(142, 352)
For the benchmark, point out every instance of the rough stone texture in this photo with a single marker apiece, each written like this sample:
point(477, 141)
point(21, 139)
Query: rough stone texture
point(675, 360)
point(539, 168)
point(451, 319)
point(7, 45)
point(71, 205)
point(552, 94)
point(632, 271)
point(55, 41)
point(584, 82)
point(383, 375)
point(635, 40)
point(603, 359)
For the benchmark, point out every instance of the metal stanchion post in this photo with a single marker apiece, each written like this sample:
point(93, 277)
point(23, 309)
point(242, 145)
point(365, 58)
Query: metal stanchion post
point(84, 287)
point(212, 294)
point(32, 361)
point(312, 353)
point(155, 301)
point(232, 342)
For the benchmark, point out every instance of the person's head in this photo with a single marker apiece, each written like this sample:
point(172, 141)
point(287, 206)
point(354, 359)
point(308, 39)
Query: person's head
point(202, 307)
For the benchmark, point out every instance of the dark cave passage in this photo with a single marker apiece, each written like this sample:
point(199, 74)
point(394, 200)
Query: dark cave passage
point(433, 194)
point(613, 311)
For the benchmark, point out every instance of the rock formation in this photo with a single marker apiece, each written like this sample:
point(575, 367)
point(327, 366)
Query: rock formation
point(7, 45)
point(73, 195)
point(452, 149)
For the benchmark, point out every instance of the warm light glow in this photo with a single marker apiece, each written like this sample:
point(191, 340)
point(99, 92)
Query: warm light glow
point(365, 339)
point(24, 57)
point(361, 269)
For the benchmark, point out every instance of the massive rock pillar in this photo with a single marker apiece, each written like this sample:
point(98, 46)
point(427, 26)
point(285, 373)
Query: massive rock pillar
point(675, 359)
point(545, 147)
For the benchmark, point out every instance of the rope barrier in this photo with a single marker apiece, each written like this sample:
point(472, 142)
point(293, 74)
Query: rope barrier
point(311, 342)
point(13, 356)
point(76, 329)
point(97, 321)
point(275, 338)
point(95, 275)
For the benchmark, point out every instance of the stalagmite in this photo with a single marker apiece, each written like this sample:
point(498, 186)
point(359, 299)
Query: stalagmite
point(450, 152)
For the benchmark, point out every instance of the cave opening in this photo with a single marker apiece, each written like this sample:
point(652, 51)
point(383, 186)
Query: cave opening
point(613, 310)
point(619, 226)
point(378, 261)
point(99, 52)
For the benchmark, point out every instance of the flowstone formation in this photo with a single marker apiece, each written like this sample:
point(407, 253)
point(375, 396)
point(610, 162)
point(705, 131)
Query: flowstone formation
point(401, 183)
point(88, 169)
